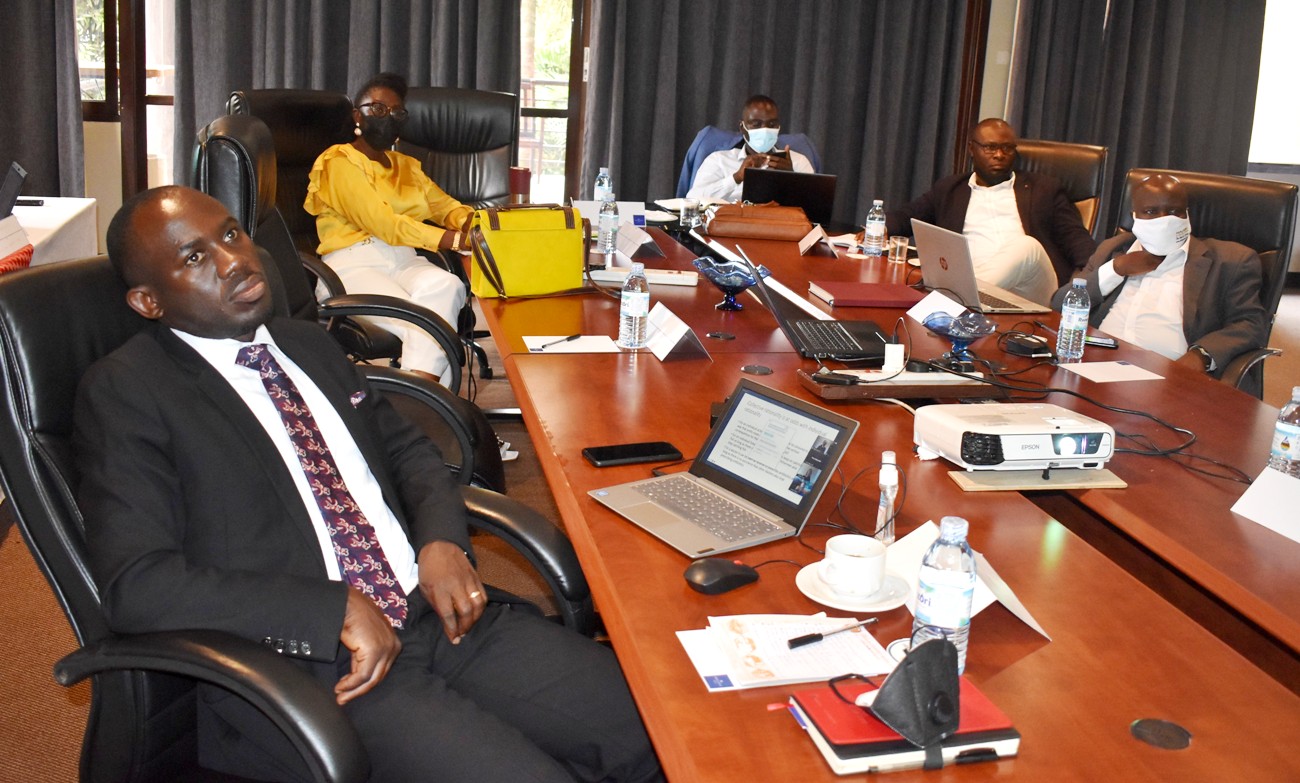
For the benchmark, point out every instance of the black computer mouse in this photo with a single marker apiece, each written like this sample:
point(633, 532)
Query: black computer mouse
point(715, 575)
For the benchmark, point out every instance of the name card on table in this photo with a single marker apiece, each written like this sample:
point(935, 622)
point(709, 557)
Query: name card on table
point(1271, 500)
point(668, 337)
point(635, 243)
point(813, 237)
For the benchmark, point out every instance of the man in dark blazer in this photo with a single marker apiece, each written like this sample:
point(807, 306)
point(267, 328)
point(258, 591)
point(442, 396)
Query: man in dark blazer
point(1046, 215)
point(199, 515)
point(1193, 300)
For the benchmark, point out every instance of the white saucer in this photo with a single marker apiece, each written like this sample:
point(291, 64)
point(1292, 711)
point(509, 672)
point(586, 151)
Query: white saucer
point(892, 595)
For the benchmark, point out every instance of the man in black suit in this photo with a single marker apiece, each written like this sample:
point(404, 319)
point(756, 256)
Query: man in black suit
point(1025, 233)
point(200, 513)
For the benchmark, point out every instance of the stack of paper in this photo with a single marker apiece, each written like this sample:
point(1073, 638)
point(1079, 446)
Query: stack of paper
point(753, 650)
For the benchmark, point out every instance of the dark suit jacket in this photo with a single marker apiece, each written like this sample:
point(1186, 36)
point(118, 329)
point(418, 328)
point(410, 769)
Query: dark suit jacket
point(1046, 213)
point(1222, 311)
point(192, 519)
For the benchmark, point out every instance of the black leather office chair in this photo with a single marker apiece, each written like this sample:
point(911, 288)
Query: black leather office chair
point(1257, 213)
point(1081, 169)
point(55, 321)
point(235, 162)
point(466, 141)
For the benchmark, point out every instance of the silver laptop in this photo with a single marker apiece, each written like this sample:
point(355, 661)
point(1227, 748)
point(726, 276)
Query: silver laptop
point(756, 479)
point(946, 266)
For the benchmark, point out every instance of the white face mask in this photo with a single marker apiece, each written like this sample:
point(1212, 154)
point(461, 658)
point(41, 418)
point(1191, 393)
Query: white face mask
point(1163, 235)
point(762, 139)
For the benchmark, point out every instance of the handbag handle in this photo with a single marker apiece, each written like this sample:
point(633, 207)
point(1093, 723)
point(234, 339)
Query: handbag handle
point(495, 222)
point(486, 263)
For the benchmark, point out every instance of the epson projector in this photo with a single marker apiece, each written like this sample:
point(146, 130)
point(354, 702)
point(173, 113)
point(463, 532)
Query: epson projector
point(1013, 436)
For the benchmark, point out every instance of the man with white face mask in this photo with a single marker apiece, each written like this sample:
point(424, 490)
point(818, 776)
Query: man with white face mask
point(1189, 299)
point(722, 174)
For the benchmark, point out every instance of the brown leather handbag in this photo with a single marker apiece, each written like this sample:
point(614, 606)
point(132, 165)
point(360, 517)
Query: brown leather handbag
point(759, 221)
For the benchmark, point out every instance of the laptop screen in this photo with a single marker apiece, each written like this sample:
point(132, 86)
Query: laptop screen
point(13, 185)
point(774, 450)
point(815, 193)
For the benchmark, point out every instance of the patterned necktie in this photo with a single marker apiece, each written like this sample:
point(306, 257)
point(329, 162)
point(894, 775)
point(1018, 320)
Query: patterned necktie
point(361, 558)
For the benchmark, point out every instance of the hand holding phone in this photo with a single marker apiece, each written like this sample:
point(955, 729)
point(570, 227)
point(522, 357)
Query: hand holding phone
point(631, 453)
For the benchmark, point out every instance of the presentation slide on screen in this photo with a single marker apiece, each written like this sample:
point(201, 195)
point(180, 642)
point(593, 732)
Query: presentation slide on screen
point(779, 449)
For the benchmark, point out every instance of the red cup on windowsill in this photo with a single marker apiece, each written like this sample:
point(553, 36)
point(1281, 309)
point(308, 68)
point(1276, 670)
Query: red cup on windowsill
point(521, 185)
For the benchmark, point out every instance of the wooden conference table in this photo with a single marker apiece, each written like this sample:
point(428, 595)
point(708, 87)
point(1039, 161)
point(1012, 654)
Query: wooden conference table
point(1119, 652)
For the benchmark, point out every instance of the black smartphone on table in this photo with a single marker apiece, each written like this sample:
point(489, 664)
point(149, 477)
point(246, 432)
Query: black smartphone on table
point(631, 453)
point(1099, 341)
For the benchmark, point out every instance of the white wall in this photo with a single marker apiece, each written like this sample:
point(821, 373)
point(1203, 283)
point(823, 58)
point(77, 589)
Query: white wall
point(104, 170)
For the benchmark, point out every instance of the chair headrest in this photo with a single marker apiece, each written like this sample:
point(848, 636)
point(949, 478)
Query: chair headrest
point(449, 119)
point(235, 163)
point(302, 122)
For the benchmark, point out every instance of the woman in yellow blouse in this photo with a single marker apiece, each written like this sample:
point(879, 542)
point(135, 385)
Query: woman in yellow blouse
point(370, 204)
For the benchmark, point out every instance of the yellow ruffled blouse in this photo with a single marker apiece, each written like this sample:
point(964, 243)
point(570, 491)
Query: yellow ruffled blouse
point(354, 198)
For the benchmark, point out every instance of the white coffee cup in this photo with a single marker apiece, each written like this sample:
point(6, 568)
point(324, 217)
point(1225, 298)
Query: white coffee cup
point(854, 566)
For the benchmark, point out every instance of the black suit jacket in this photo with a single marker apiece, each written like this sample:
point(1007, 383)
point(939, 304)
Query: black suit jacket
point(1046, 213)
point(192, 519)
point(1222, 311)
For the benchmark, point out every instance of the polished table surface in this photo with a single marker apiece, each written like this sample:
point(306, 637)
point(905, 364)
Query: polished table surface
point(1119, 651)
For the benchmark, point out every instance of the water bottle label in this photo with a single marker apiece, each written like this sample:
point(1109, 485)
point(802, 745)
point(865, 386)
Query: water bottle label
point(1074, 318)
point(943, 598)
point(874, 229)
point(1286, 441)
point(635, 303)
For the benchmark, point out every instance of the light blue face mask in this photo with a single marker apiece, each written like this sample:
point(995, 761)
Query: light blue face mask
point(762, 139)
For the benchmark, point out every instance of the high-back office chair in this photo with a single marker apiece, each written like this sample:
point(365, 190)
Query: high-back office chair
point(1081, 169)
point(465, 140)
point(1257, 213)
point(711, 138)
point(234, 161)
point(55, 321)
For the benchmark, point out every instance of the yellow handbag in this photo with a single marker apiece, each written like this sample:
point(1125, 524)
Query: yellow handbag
point(528, 250)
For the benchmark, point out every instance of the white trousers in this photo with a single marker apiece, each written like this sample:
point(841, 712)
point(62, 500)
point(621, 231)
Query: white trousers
point(376, 267)
point(1021, 266)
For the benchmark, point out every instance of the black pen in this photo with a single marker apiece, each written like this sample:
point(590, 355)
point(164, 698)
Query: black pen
point(568, 339)
point(800, 641)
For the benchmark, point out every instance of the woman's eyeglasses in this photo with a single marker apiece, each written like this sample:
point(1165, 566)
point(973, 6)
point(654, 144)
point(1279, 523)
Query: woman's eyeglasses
point(376, 109)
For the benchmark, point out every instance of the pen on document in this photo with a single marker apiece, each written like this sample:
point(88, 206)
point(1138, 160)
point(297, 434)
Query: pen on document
point(800, 641)
point(568, 339)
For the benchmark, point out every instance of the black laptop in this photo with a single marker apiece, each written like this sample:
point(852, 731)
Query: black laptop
point(815, 193)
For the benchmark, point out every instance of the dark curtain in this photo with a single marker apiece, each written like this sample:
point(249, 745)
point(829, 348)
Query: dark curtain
point(1163, 85)
point(334, 45)
point(42, 96)
point(874, 84)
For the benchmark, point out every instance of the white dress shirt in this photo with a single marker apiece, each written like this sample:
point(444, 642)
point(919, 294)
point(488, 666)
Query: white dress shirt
point(716, 176)
point(1149, 309)
point(992, 220)
point(247, 383)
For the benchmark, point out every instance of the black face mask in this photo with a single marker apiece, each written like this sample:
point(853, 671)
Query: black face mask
point(380, 132)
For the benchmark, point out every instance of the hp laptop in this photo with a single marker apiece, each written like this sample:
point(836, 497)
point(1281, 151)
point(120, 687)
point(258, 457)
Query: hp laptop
point(815, 193)
point(946, 266)
point(756, 479)
point(13, 185)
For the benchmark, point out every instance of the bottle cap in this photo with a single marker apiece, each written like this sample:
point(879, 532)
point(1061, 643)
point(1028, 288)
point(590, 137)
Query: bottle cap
point(1080, 282)
point(603, 169)
point(637, 267)
point(953, 528)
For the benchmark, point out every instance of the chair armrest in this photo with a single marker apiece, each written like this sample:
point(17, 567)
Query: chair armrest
point(304, 710)
point(1242, 363)
point(544, 546)
point(438, 398)
point(405, 310)
point(332, 282)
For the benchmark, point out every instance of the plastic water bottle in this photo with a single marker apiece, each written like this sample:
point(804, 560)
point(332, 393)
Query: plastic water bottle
point(873, 233)
point(1074, 323)
point(634, 309)
point(608, 228)
point(888, 495)
point(604, 185)
point(945, 589)
point(1285, 455)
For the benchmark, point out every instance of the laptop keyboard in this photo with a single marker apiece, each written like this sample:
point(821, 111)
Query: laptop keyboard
point(989, 300)
point(708, 510)
point(829, 336)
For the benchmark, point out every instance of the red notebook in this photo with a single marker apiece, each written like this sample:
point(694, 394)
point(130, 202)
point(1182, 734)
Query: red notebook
point(839, 293)
point(853, 740)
